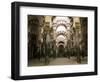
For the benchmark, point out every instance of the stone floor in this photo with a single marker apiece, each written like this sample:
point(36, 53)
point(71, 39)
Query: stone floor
point(56, 61)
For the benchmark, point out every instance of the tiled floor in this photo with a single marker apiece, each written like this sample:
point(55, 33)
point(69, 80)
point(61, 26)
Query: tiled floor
point(56, 61)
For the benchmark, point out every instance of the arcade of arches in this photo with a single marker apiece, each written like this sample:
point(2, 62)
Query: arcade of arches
point(57, 37)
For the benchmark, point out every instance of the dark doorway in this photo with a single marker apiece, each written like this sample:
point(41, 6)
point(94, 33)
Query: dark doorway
point(61, 51)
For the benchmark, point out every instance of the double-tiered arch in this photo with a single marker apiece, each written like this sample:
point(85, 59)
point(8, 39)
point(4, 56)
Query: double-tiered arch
point(61, 25)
